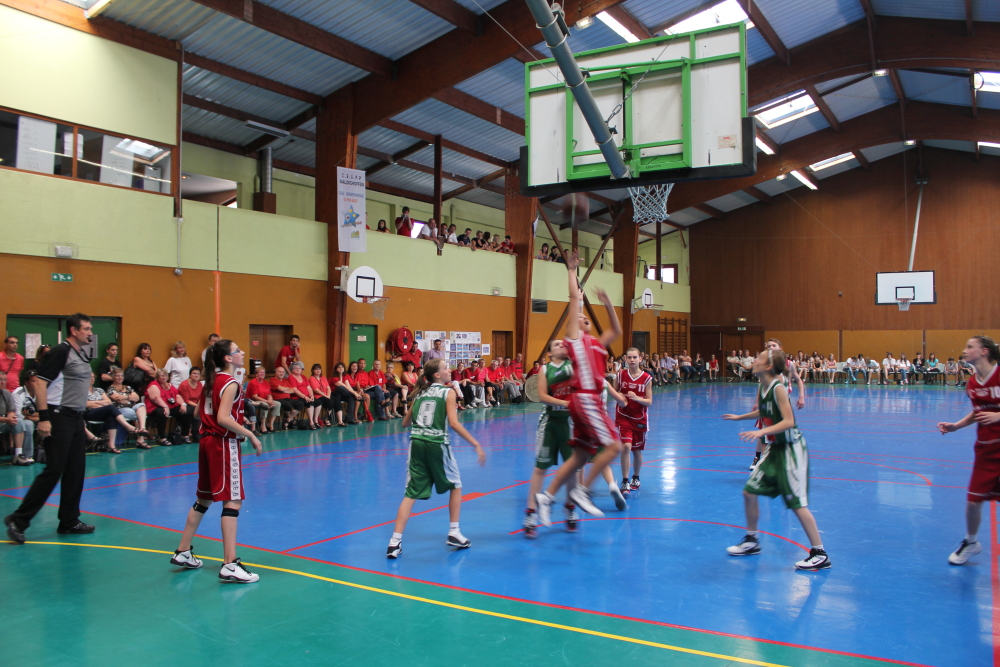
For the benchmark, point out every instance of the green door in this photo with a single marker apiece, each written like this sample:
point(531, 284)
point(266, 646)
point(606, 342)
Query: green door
point(362, 343)
point(52, 331)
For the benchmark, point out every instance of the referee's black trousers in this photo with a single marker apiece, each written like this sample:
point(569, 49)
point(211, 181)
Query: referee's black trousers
point(66, 462)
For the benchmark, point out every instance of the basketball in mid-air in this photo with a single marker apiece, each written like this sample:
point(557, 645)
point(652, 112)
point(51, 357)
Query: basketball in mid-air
point(576, 207)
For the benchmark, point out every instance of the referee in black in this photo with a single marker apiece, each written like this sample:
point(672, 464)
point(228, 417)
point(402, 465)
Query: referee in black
point(60, 399)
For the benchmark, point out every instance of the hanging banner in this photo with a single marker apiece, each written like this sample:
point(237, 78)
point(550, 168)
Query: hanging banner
point(351, 214)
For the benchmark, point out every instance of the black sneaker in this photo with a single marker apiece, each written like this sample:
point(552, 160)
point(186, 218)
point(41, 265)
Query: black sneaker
point(635, 482)
point(756, 460)
point(15, 534)
point(625, 488)
point(748, 546)
point(817, 560)
point(572, 518)
point(394, 551)
point(78, 528)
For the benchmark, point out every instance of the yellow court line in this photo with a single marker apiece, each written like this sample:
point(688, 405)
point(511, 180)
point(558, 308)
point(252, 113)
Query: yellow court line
point(483, 612)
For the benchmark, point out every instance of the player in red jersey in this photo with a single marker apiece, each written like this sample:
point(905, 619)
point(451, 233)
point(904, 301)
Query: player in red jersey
point(592, 428)
point(983, 389)
point(632, 419)
point(220, 475)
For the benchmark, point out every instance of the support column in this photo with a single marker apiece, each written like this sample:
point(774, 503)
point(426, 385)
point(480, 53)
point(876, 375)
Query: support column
point(519, 216)
point(265, 201)
point(438, 183)
point(336, 146)
point(659, 252)
point(626, 252)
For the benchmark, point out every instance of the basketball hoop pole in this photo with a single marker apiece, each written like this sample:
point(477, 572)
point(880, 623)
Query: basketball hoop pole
point(555, 31)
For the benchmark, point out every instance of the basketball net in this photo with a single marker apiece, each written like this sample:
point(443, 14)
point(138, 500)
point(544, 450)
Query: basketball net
point(378, 304)
point(649, 203)
point(904, 304)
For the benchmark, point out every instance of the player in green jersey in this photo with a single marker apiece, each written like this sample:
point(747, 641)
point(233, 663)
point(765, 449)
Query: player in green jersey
point(553, 435)
point(784, 466)
point(430, 462)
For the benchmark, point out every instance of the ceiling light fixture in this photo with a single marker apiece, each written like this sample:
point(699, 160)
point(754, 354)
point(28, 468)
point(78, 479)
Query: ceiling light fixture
point(804, 179)
point(616, 25)
point(829, 162)
point(880, 72)
point(909, 142)
point(763, 146)
point(988, 144)
point(266, 129)
point(782, 177)
point(585, 22)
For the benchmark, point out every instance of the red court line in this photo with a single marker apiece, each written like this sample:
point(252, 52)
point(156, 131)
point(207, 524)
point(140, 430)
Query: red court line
point(468, 496)
point(533, 602)
point(880, 465)
point(653, 518)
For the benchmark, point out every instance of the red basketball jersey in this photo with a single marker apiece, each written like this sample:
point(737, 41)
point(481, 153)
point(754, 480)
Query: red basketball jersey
point(589, 361)
point(633, 412)
point(985, 397)
point(206, 408)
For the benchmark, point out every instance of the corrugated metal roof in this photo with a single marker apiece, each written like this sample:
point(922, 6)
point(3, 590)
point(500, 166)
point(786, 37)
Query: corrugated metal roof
point(688, 216)
point(774, 187)
point(173, 19)
point(798, 22)
point(386, 141)
point(214, 126)
point(297, 151)
point(833, 83)
point(455, 163)
point(985, 11)
point(953, 10)
point(655, 12)
point(885, 150)
point(408, 179)
point(866, 95)
point(989, 100)
point(936, 88)
point(392, 28)
point(238, 95)
point(597, 36)
point(483, 197)
point(479, 5)
point(964, 146)
point(364, 162)
point(439, 118)
point(798, 128)
point(732, 201)
point(501, 85)
point(757, 48)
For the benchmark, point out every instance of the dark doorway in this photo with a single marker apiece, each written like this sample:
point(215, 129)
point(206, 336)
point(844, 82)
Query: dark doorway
point(266, 341)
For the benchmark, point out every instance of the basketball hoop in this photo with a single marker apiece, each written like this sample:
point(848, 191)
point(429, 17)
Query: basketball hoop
point(638, 304)
point(649, 203)
point(904, 303)
point(378, 304)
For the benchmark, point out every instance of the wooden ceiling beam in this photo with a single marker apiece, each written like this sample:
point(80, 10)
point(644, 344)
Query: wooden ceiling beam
point(394, 159)
point(925, 121)
point(758, 194)
point(480, 109)
point(251, 78)
point(768, 141)
point(969, 27)
point(450, 145)
point(531, 56)
point(974, 94)
point(869, 10)
point(591, 217)
point(630, 22)
point(897, 86)
point(452, 12)
point(303, 33)
point(751, 9)
point(823, 107)
point(710, 211)
point(860, 157)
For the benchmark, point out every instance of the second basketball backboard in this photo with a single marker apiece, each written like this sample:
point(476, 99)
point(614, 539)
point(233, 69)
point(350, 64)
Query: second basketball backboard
point(685, 120)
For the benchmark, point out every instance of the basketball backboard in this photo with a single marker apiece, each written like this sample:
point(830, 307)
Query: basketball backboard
point(687, 119)
point(918, 286)
point(364, 282)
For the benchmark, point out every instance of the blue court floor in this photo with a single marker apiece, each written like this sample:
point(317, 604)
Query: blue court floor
point(887, 490)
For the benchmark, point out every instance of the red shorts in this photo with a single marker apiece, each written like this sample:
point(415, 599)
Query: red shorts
point(220, 473)
point(592, 427)
point(632, 435)
point(985, 481)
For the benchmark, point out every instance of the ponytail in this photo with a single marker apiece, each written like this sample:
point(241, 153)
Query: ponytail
point(431, 368)
point(993, 352)
point(215, 360)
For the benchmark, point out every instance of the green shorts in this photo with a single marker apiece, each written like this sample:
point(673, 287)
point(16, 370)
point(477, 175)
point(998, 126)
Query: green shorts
point(783, 471)
point(430, 464)
point(552, 438)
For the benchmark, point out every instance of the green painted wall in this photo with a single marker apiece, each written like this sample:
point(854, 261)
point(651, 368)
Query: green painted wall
point(672, 297)
point(69, 75)
point(271, 245)
point(673, 252)
point(548, 281)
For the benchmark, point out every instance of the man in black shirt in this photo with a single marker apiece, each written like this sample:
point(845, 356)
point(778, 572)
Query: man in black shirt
point(61, 398)
point(466, 238)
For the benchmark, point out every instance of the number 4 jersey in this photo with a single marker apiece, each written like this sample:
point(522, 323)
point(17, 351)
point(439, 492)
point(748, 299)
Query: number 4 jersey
point(430, 414)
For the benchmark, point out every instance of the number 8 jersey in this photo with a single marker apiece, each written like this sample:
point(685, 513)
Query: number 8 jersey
point(430, 414)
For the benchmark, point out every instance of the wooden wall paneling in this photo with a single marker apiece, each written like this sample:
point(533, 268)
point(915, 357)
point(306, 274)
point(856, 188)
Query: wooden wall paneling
point(874, 344)
point(823, 342)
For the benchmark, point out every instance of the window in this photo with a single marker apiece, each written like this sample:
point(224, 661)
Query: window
point(786, 110)
point(44, 146)
point(668, 273)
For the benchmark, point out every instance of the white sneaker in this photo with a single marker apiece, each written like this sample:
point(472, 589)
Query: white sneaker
point(964, 552)
point(458, 540)
point(748, 546)
point(619, 497)
point(581, 497)
point(186, 559)
point(237, 573)
point(544, 502)
point(817, 560)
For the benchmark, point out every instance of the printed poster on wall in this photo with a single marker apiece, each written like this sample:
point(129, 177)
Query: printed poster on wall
point(36, 141)
point(351, 214)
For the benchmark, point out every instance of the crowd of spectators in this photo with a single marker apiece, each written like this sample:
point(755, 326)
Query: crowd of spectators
point(817, 368)
point(446, 234)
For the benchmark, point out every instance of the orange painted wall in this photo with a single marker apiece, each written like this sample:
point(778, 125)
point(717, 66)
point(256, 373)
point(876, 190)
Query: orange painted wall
point(951, 343)
point(159, 308)
point(874, 344)
point(823, 342)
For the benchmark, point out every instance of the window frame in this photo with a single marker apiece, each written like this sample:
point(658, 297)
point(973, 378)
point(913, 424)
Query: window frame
point(75, 161)
point(675, 267)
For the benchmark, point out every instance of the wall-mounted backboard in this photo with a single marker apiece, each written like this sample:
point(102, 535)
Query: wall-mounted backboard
point(686, 120)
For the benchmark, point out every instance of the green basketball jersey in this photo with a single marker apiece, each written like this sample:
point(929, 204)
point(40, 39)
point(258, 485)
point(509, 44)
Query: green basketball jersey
point(557, 378)
point(770, 414)
point(430, 414)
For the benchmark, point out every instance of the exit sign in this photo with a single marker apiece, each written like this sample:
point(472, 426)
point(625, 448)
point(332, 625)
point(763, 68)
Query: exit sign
point(62, 277)
point(741, 328)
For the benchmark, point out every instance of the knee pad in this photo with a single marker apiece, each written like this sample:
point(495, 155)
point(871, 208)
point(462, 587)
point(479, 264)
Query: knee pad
point(229, 511)
point(198, 507)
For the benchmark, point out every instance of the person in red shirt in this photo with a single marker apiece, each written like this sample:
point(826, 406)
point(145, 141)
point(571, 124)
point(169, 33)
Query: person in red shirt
point(374, 387)
point(190, 390)
point(404, 223)
point(259, 393)
point(288, 354)
point(11, 362)
point(301, 389)
point(518, 365)
point(322, 393)
point(512, 381)
point(409, 376)
point(534, 369)
point(494, 382)
point(343, 392)
point(359, 381)
point(162, 401)
point(281, 390)
point(460, 378)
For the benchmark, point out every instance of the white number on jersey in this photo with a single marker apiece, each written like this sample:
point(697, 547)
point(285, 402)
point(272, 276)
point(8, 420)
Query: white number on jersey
point(426, 415)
